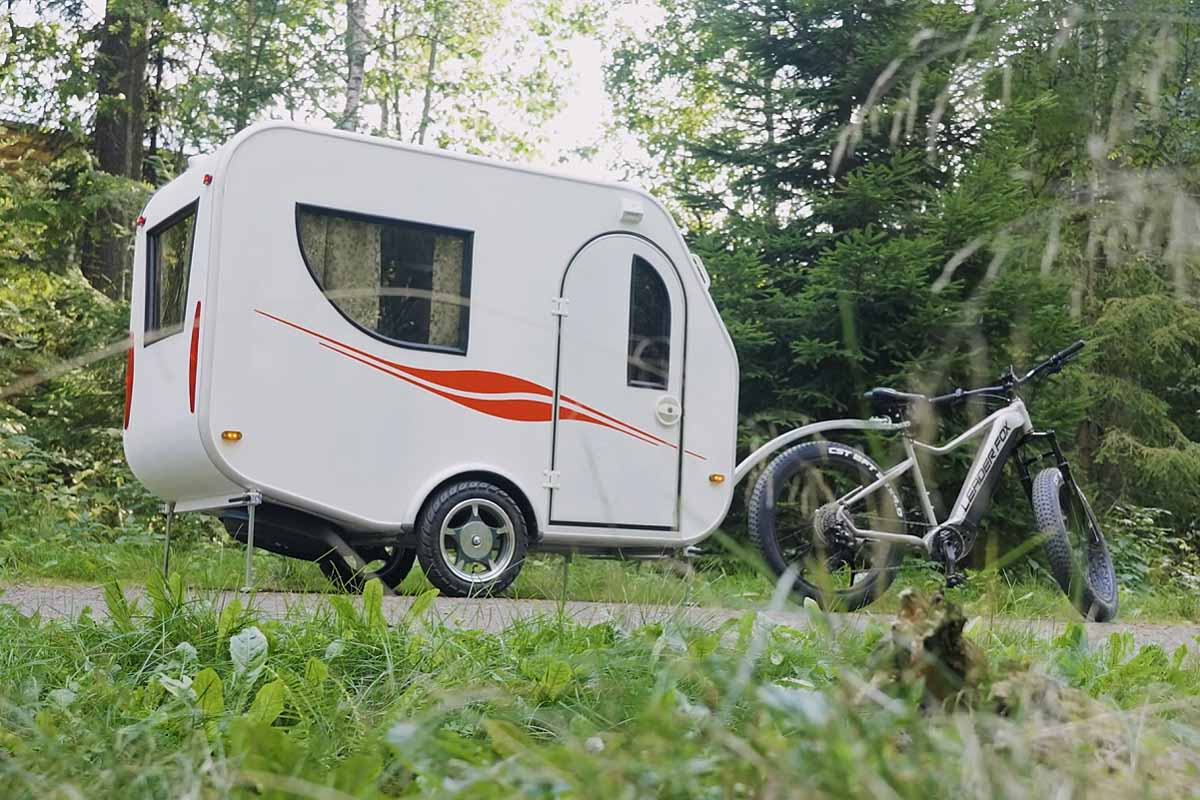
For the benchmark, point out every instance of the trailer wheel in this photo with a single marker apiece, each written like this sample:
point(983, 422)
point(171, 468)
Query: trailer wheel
point(471, 539)
point(397, 563)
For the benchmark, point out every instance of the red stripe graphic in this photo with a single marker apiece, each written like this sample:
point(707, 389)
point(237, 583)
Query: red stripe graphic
point(512, 409)
point(474, 381)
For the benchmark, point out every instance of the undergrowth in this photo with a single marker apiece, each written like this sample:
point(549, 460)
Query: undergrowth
point(183, 698)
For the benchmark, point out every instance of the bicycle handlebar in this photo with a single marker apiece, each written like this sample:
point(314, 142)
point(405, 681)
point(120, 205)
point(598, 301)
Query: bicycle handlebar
point(1050, 366)
point(1055, 362)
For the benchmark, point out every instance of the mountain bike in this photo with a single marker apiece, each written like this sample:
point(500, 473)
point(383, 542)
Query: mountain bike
point(835, 519)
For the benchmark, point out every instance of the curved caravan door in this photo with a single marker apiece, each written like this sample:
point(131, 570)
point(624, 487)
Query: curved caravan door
point(619, 389)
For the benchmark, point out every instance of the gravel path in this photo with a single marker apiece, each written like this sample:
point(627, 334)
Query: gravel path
point(496, 614)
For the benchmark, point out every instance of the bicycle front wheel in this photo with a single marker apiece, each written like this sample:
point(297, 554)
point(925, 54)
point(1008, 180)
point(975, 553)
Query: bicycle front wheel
point(797, 521)
point(1075, 545)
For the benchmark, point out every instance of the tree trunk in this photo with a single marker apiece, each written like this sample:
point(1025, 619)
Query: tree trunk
point(356, 57)
point(120, 70)
point(151, 167)
point(430, 71)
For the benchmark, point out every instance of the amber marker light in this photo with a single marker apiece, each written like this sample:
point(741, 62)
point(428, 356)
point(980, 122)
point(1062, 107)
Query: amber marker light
point(716, 477)
point(231, 436)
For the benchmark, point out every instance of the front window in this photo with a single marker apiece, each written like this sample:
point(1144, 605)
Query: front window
point(168, 264)
point(404, 282)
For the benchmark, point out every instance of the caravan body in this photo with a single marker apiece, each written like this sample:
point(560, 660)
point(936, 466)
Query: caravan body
point(342, 325)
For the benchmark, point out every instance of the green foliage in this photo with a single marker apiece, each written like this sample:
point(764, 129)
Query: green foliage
point(477, 75)
point(1148, 551)
point(234, 62)
point(920, 194)
point(554, 708)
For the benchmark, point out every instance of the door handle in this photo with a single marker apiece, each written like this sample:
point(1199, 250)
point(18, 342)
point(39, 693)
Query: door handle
point(668, 410)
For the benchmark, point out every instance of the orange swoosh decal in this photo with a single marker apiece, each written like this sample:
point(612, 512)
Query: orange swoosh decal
point(484, 382)
point(517, 410)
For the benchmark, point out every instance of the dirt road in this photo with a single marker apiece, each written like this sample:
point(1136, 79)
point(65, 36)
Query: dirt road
point(496, 614)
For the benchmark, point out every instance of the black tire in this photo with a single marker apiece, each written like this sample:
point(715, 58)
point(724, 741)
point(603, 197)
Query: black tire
point(1075, 546)
point(474, 508)
point(782, 540)
point(397, 563)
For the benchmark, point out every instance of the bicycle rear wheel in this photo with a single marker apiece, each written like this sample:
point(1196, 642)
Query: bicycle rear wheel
point(794, 521)
point(1075, 545)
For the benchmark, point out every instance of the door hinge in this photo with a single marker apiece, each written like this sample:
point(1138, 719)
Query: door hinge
point(551, 482)
point(558, 306)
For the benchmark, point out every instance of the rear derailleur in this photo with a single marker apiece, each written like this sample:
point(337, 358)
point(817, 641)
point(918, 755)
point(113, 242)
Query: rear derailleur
point(833, 536)
point(948, 545)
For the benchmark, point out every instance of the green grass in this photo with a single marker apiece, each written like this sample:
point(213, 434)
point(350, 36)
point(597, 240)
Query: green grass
point(726, 583)
point(180, 699)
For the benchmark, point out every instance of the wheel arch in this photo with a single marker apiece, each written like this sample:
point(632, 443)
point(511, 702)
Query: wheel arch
point(489, 475)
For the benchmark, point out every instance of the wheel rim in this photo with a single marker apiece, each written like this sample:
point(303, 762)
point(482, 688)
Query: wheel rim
point(477, 540)
point(806, 507)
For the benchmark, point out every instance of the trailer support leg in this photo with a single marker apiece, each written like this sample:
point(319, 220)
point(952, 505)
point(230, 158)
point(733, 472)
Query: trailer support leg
point(248, 585)
point(167, 541)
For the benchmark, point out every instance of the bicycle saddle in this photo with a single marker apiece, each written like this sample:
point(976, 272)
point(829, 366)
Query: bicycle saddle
point(887, 400)
point(893, 402)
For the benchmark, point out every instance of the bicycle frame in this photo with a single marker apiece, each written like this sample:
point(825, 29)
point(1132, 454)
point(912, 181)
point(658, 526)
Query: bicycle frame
point(1003, 431)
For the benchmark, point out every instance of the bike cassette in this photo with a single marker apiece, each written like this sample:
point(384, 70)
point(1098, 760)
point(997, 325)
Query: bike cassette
point(830, 531)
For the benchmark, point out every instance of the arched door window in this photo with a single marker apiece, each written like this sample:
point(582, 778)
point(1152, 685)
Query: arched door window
point(649, 327)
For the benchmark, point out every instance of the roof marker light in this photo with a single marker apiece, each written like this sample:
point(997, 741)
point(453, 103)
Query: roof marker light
point(207, 180)
point(141, 221)
point(632, 211)
point(716, 477)
point(231, 436)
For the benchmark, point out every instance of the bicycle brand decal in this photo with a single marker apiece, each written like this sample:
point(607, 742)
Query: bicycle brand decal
point(870, 467)
point(976, 484)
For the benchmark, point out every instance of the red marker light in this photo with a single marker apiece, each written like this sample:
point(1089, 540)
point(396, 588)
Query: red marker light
point(207, 180)
point(192, 355)
point(141, 221)
point(128, 380)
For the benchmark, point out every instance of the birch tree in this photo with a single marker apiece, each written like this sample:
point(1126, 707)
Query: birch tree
point(356, 61)
point(478, 75)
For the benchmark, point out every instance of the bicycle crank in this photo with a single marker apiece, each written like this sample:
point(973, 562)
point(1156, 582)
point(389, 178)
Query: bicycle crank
point(947, 545)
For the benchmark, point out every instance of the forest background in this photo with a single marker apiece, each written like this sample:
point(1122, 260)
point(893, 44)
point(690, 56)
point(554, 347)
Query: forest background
point(913, 193)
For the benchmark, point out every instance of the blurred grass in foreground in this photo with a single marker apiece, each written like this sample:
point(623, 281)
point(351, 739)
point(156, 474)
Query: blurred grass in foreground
point(183, 699)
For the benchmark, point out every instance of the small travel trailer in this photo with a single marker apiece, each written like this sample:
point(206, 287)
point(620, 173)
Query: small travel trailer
point(356, 352)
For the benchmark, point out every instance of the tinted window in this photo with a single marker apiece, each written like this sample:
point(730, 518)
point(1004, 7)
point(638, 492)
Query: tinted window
point(169, 262)
point(649, 327)
point(406, 282)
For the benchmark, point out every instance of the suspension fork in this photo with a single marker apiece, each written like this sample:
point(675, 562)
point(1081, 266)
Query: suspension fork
point(1023, 462)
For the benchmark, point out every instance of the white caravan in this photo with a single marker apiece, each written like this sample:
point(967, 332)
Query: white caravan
point(391, 350)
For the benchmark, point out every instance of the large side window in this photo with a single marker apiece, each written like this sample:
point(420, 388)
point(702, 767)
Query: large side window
point(649, 327)
point(168, 264)
point(407, 283)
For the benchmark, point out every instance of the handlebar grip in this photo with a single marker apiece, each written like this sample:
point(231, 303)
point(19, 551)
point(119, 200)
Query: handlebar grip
point(1070, 351)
